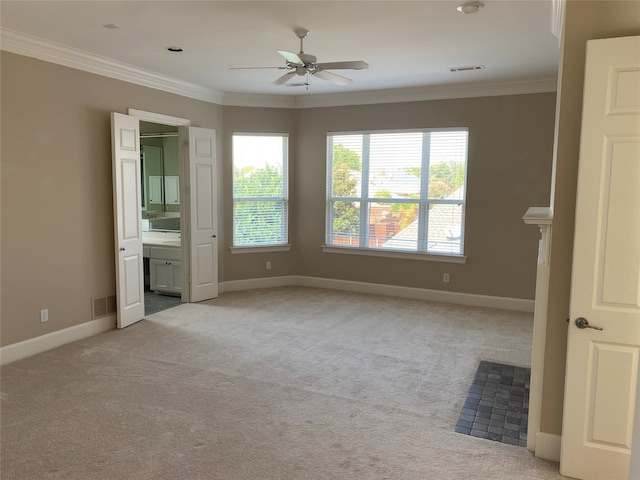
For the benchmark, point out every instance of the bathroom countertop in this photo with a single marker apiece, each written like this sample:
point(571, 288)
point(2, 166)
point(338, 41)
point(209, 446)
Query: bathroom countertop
point(161, 239)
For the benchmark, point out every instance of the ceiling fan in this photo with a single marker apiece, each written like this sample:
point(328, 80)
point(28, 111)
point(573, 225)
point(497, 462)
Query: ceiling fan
point(305, 65)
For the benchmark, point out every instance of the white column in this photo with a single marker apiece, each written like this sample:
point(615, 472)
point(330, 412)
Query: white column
point(543, 217)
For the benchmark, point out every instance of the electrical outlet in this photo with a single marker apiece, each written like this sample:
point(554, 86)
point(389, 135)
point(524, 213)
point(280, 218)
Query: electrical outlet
point(44, 315)
point(445, 277)
point(268, 266)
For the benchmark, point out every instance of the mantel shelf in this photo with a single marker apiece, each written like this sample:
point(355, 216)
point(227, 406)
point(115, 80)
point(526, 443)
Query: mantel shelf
point(538, 216)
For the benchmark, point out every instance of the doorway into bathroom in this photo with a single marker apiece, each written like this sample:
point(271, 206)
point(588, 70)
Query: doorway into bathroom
point(161, 216)
point(184, 260)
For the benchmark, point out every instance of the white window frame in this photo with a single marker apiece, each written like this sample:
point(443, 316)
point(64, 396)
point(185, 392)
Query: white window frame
point(364, 200)
point(264, 248)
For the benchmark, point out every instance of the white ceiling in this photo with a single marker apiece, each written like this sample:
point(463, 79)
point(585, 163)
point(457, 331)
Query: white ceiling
point(408, 44)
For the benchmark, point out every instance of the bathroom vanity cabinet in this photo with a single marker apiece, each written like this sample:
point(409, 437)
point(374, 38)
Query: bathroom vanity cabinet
point(165, 269)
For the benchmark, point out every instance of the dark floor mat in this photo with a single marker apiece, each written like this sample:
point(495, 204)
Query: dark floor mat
point(497, 406)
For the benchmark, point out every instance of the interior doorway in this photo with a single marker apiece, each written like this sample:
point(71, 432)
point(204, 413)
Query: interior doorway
point(162, 212)
point(191, 265)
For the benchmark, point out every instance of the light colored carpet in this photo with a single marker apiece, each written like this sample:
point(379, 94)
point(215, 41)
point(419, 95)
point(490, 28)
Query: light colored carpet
point(286, 383)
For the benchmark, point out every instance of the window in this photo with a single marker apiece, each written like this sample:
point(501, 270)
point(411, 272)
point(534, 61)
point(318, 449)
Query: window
point(397, 191)
point(260, 190)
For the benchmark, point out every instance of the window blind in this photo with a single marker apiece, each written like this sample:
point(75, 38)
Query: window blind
point(400, 190)
point(260, 189)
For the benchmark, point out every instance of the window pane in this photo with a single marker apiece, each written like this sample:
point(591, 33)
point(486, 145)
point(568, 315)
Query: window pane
point(445, 229)
point(393, 225)
point(346, 224)
point(400, 180)
point(259, 223)
point(251, 182)
point(346, 160)
point(259, 190)
point(447, 161)
point(395, 165)
point(258, 166)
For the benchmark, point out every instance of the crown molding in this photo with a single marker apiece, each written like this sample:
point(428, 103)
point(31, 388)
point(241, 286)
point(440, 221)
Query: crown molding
point(436, 92)
point(27, 45)
point(259, 100)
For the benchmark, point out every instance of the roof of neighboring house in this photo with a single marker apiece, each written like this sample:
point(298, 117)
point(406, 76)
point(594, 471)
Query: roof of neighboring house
point(445, 229)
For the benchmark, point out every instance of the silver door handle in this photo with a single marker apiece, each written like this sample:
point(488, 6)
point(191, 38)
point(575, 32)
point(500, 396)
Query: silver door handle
point(582, 322)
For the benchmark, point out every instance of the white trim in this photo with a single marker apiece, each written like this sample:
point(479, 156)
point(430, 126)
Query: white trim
point(548, 446)
point(394, 254)
point(30, 46)
point(543, 217)
point(504, 303)
point(435, 92)
point(159, 118)
point(43, 343)
point(261, 249)
point(255, 283)
point(258, 100)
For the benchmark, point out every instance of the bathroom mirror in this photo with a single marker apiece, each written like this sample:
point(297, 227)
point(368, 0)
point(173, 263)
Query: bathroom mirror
point(160, 177)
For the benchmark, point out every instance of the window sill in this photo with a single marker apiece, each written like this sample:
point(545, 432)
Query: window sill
point(261, 249)
point(430, 257)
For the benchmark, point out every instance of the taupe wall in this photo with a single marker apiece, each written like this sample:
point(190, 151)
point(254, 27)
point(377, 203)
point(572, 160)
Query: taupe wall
point(259, 120)
point(57, 229)
point(510, 152)
point(57, 244)
point(583, 21)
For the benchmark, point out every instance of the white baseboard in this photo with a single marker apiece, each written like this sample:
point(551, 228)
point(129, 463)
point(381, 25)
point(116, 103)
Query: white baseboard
point(253, 283)
point(518, 304)
point(33, 346)
point(548, 446)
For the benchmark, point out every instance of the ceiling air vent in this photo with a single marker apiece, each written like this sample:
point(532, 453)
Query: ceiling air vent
point(466, 69)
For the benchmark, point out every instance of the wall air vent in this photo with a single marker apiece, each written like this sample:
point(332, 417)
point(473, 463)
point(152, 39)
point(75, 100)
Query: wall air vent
point(466, 69)
point(101, 307)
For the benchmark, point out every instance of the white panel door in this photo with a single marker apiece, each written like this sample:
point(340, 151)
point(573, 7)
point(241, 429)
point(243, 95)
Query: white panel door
point(204, 226)
point(127, 200)
point(602, 363)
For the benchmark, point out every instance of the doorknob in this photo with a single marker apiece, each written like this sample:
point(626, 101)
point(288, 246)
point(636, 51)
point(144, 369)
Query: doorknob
point(582, 322)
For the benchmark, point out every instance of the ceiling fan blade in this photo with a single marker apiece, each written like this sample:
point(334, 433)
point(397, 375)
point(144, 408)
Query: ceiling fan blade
point(333, 78)
point(355, 65)
point(256, 68)
point(283, 79)
point(291, 57)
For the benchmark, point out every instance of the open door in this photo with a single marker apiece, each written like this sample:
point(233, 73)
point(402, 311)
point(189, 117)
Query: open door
point(203, 219)
point(604, 331)
point(125, 147)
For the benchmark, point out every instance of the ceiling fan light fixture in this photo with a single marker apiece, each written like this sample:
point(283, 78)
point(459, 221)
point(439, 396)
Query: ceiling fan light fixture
point(470, 7)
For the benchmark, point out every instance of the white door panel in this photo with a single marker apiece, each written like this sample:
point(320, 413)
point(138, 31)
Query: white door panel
point(602, 365)
point(127, 198)
point(204, 242)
